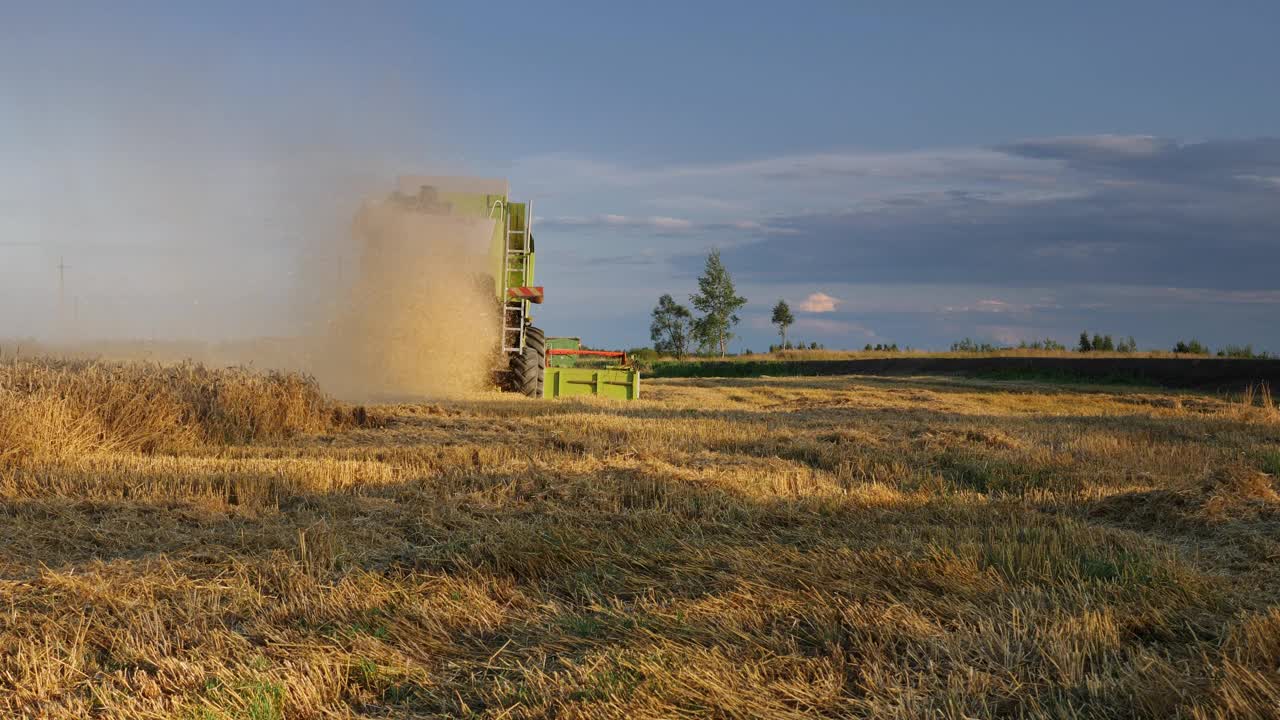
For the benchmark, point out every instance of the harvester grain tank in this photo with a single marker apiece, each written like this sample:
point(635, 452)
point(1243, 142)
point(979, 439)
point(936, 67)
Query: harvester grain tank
point(530, 367)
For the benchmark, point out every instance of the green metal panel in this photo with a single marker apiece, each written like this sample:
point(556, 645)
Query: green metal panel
point(563, 343)
point(615, 383)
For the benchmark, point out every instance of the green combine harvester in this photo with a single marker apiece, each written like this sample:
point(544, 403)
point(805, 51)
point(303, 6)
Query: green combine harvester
point(535, 365)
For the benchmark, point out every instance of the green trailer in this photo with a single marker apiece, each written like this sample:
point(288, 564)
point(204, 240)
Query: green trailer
point(572, 370)
point(512, 258)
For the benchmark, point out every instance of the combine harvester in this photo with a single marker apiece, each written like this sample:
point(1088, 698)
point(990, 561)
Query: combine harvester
point(534, 365)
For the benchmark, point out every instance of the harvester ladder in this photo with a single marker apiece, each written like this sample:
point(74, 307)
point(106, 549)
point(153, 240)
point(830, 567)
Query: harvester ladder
point(515, 262)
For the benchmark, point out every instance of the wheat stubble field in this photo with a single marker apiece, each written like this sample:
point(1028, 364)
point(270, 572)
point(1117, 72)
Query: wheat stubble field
point(190, 543)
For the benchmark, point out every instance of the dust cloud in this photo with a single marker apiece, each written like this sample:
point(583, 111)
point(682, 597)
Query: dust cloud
point(415, 318)
point(164, 202)
point(421, 318)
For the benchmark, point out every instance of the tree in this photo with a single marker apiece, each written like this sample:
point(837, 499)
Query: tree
point(719, 304)
point(783, 318)
point(671, 326)
point(1085, 345)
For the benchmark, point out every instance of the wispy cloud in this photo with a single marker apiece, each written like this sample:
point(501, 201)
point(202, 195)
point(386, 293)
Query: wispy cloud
point(956, 162)
point(656, 222)
point(660, 224)
point(1089, 146)
point(725, 192)
point(830, 326)
point(1137, 211)
point(995, 306)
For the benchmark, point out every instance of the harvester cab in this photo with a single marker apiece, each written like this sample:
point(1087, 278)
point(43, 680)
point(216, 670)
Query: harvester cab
point(528, 366)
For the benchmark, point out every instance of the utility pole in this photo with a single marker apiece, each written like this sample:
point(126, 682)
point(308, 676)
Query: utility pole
point(62, 290)
point(62, 295)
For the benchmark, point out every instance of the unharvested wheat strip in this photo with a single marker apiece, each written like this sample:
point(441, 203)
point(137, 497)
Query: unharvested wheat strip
point(239, 481)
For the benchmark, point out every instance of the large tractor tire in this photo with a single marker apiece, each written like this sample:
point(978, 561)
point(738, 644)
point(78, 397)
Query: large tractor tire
point(527, 368)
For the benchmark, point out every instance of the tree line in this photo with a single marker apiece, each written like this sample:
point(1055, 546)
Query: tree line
point(675, 330)
point(1105, 343)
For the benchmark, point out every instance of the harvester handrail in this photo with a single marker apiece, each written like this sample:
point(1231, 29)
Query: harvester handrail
point(597, 353)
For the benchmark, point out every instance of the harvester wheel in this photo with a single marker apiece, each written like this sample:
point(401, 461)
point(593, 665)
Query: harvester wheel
point(527, 367)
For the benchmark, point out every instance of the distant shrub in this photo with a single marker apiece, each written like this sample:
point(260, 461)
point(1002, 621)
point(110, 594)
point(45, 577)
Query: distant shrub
point(642, 356)
point(1191, 348)
point(1046, 344)
point(971, 346)
point(1243, 352)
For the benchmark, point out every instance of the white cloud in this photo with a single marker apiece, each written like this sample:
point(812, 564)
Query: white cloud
point(819, 302)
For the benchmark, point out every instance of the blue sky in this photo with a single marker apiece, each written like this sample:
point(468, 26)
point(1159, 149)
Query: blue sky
point(915, 175)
